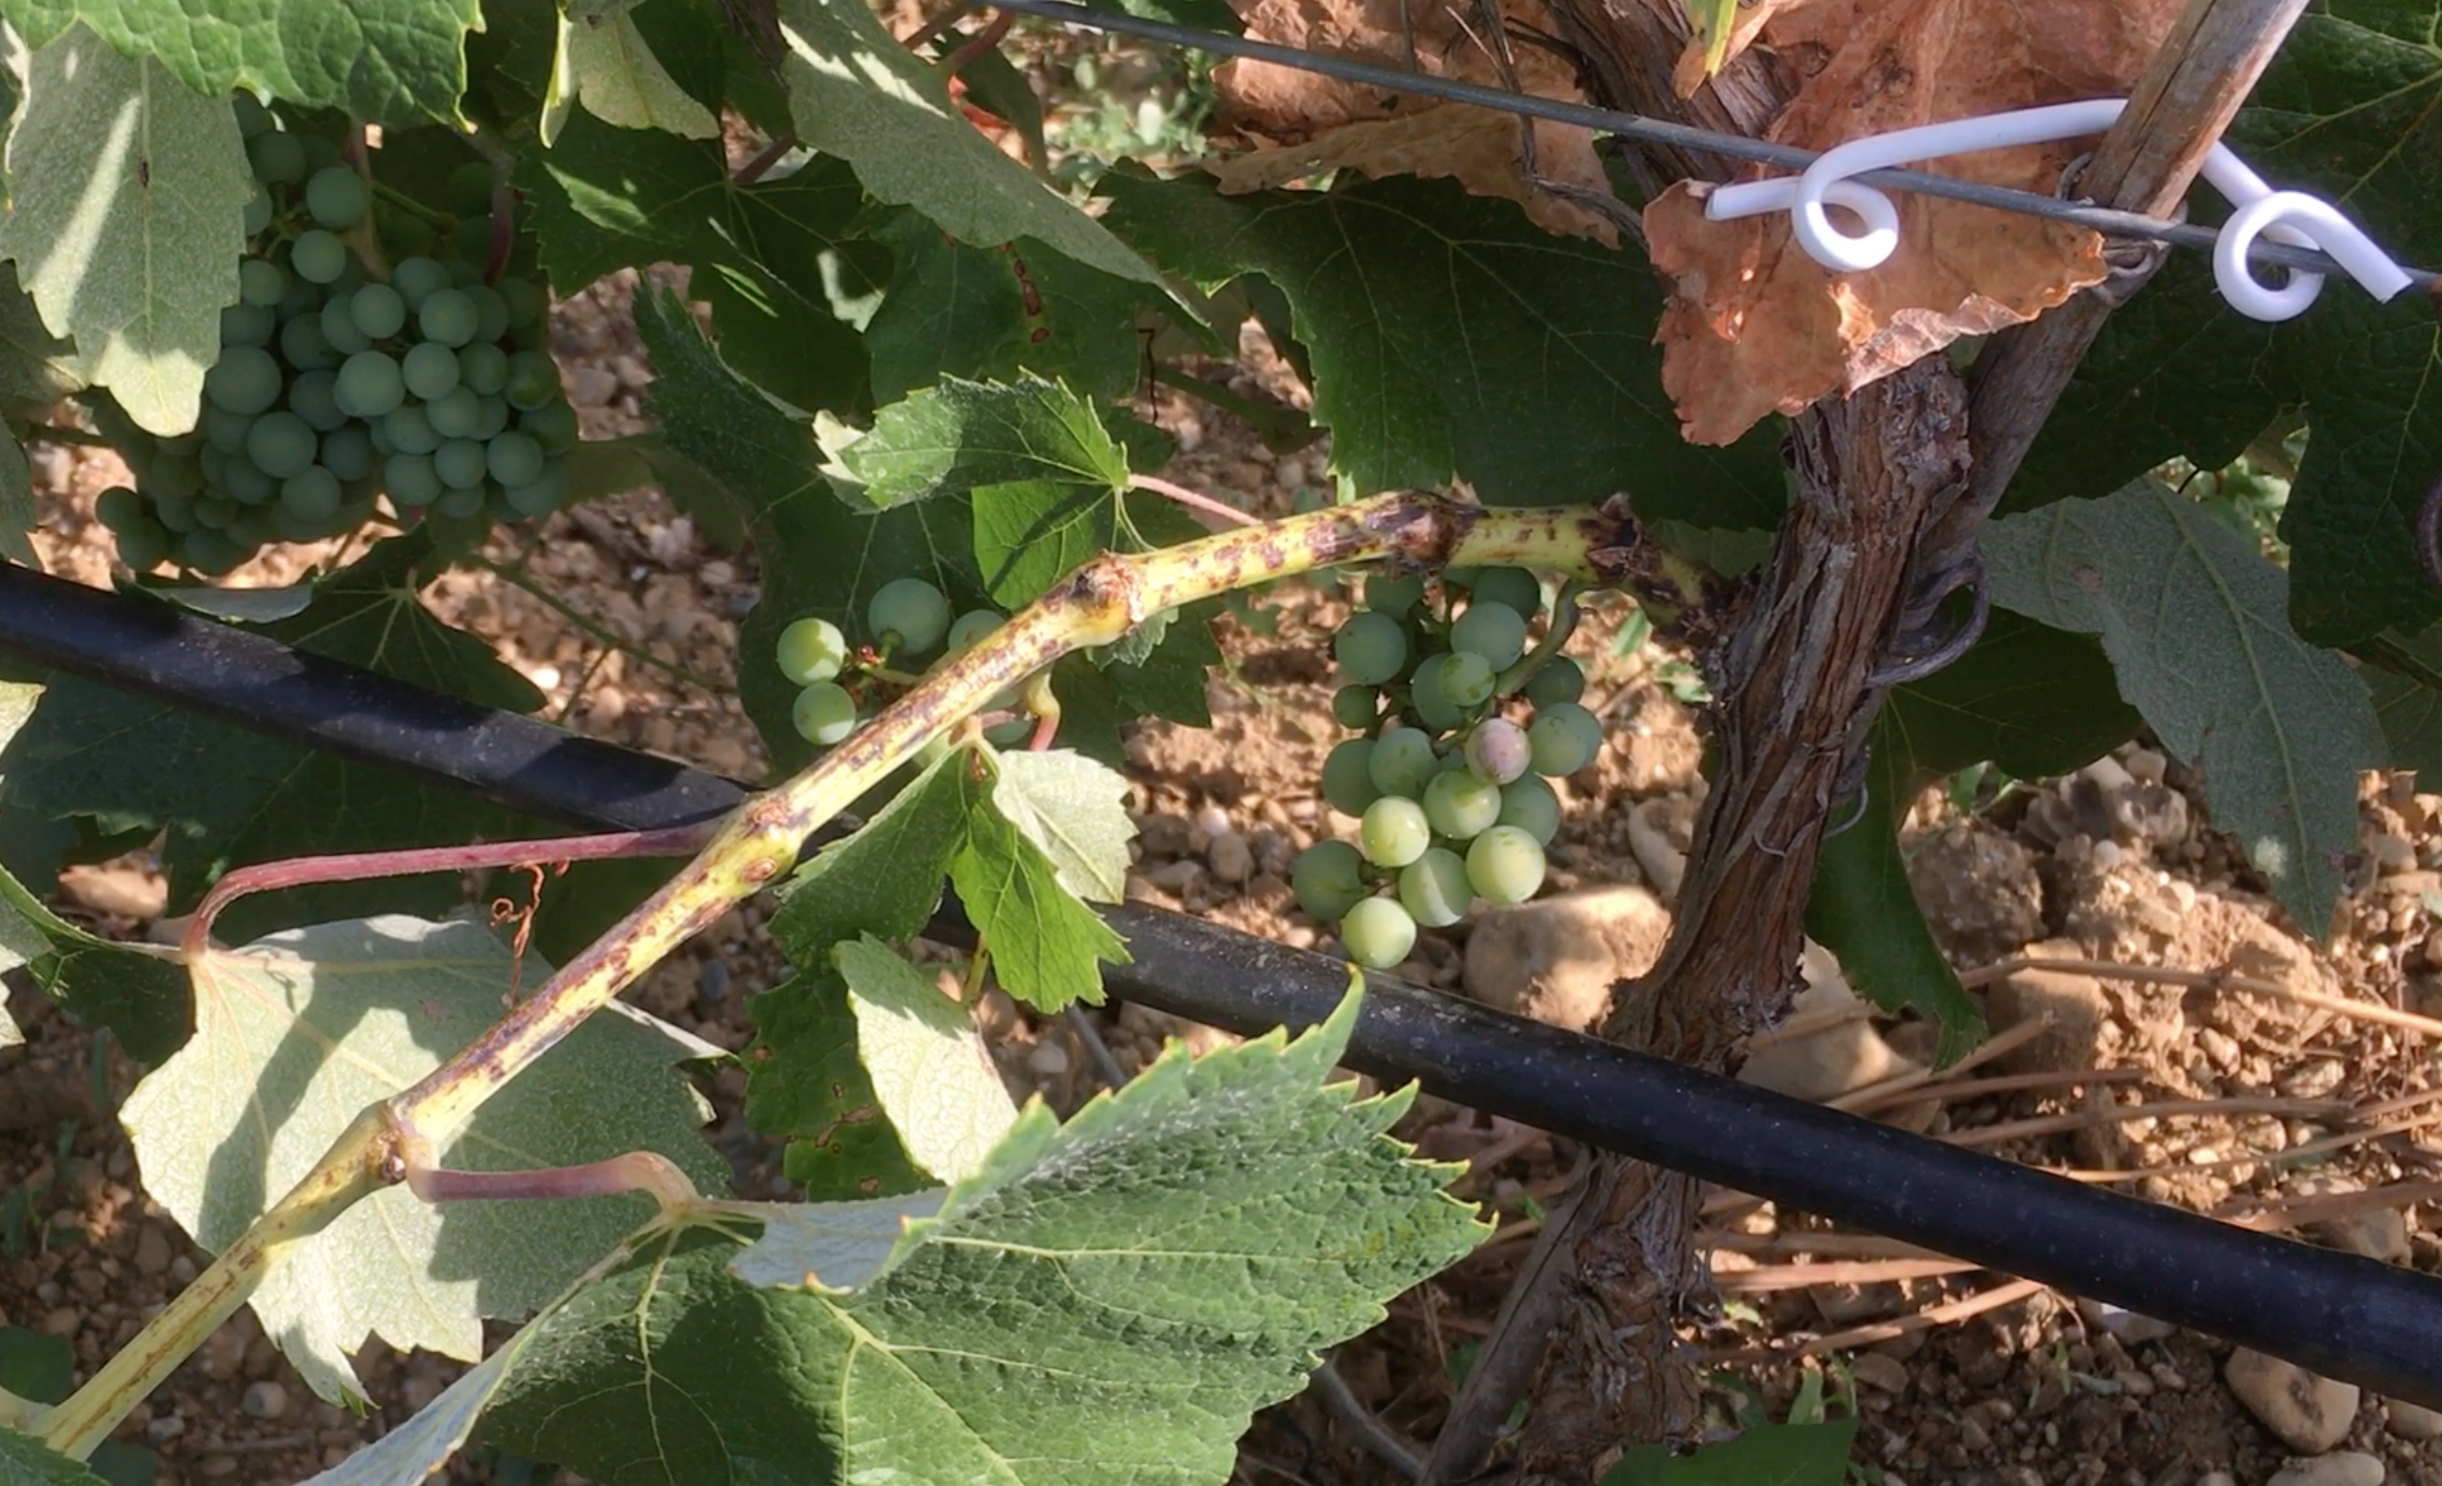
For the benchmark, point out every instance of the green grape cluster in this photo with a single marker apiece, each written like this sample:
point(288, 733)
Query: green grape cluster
point(339, 384)
point(906, 619)
point(1461, 721)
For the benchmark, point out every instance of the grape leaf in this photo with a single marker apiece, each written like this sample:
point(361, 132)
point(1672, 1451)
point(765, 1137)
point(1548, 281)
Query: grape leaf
point(884, 879)
point(2194, 620)
point(37, 368)
point(959, 435)
point(27, 1461)
point(1107, 1301)
point(1452, 337)
point(2351, 110)
point(857, 93)
point(417, 1449)
point(834, 1246)
point(608, 66)
point(2035, 700)
point(819, 557)
point(128, 193)
point(1076, 810)
point(930, 1069)
point(806, 1084)
point(390, 61)
point(2407, 688)
point(1765, 1455)
point(298, 1032)
point(1047, 947)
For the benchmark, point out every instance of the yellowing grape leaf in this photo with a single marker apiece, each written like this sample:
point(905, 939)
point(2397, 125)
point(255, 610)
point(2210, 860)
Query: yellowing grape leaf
point(1755, 326)
point(299, 1031)
point(1302, 124)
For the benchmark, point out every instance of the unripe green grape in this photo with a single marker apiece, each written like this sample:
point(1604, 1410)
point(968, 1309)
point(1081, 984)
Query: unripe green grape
point(1564, 738)
point(1328, 879)
point(1403, 762)
point(1494, 631)
point(811, 650)
point(143, 544)
point(213, 512)
point(338, 326)
point(969, 628)
point(410, 479)
point(380, 313)
point(223, 431)
point(1558, 679)
point(1393, 832)
point(173, 477)
point(244, 381)
point(251, 530)
point(523, 299)
point(258, 210)
point(1348, 780)
point(471, 241)
point(1356, 706)
point(1466, 680)
point(260, 283)
point(409, 430)
point(1425, 697)
point(468, 190)
point(301, 298)
point(1497, 750)
point(1378, 933)
point(554, 426)
point(1461, 806)
point(448, 317)
point(348, 453)
point(314, 397)
point(1505, 865)
point(305, 347)
point(824, 714)
point(459, 463)
point(1394, 594)
point(252, 117)
point(430, 371)
point(455, 414)
point(540, 496)
point(1371, 649)
point(457, 504)
point(311, 495)
point(514, 458)
point(912, 609)
point(533, 379)
point(491, 418)
point(317, 257)
point(418, 279)
point(1515, 587)
point(207, 550)
point(491, 313)
point(117, 507)
point(404, 232)
point(287, 526)
point(369, 385)
point(483, 369)
point(278, 159)
point(175, 513)
point(335, 197)
point(1434, 888)
point(246, 483)
point(281, 444)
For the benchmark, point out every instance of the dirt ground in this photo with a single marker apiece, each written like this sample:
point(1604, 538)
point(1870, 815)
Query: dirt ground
point(2289, 1115)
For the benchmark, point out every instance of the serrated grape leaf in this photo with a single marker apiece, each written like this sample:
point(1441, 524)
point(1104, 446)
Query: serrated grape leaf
point(2195, 621)
point(1764, 1455)
point(884, 879)
point(611, 69)
point(836, 1246)
point(818, 556)
point(930, 1068)
point(1107, 1302)
point(1076, 811)
point(1047, 947)
point(391, 61)
point(988, 313)
point(127, 197)
point(37, 368)
point(1863, 909)
point(958, 435)
point(1451, 337)
point(2035, 700)
point(27, 1461)
point(2350, 110)
point(297, 1033)
point(855, 92)
point(417, 1449)
point(806, 1084)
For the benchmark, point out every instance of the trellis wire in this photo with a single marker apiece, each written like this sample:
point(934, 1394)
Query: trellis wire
point(2105, 220)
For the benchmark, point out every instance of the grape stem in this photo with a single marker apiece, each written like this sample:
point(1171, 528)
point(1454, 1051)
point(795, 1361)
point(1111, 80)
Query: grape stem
point(1228, 515)
point(759, 843)
point(1564, 624)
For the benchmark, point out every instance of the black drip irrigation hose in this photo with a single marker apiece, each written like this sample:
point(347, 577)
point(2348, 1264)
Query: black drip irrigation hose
point(2346, 1317)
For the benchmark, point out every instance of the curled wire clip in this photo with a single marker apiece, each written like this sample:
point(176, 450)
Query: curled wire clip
point(2292, 217)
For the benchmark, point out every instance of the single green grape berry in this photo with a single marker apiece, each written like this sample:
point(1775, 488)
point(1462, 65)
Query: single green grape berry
point(305, 347)
point(1505, 865)
point(1466, 680)
point(1394, 594)
point(335, 197)
point(1516, 587)
point(460, 464)
point(317, 257)
point(278, 159)
point(248, 325)
point(1348, 780)
point(409, 430)
point(484, 370)
point(348, 453)
point(1558, 679)
point(514, 458)
point(969, 628)
point(1328, 879)
point(1378, 933)
point(311, 495)
point(118, 507)
point(244, 381)
point(1403, 761)
point(1461, 806)
point(1434, 888)
point(411, 480)
point(1356, 706)
point(281, 444)
point(912, 609)
point(1393, 832)
point(1426, 699)
point(824, 714)
point(811, 650)
point(1494, 631)
point(1371, 649)
point(1564, 738)
point(143, 544)
point(448, 317)
point(418, 279)
point(260, 283)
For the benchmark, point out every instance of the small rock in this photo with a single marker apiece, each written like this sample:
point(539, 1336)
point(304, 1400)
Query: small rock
point(1178, 876)
point(2134, 1383)
point(1555, 959)
point(1232, 860)
point(2315, 1079)
point(2308, 1412)
point(152, 1251)
point(1162, 835)
point(2412, 1421)
point(264, 1399)
point(2216, 1478)
point(2340, 1468)
point(62, 1321)
point(1979, 891)
point(2377, 1235)
point(165, 1428)
point(2075, 1003)
point(1884, 1374)
point(2393, 853)
point(591, 387)
point(1048, 1058)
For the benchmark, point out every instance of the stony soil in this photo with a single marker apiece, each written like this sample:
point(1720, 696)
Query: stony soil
point(2304, 1120)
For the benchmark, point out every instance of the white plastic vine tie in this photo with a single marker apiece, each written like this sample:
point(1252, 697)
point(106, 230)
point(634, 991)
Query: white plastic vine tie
point(2292, 217)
